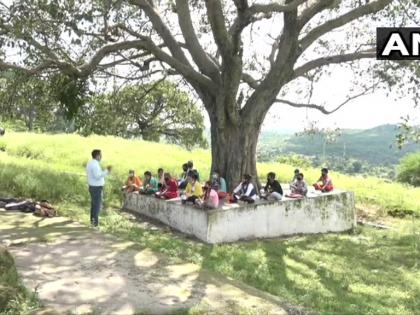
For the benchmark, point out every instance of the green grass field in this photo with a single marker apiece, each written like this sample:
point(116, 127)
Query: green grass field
point(53, 167)
point(367, 272)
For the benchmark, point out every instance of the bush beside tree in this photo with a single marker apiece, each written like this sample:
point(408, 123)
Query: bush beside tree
point(409, 169)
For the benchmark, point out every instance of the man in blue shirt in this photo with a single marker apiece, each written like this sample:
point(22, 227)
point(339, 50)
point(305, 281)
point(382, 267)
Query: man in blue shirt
point(96, 180)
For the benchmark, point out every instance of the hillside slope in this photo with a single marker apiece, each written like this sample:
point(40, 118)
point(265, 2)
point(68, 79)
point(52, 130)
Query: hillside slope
point(376, 145)
point(53, 167)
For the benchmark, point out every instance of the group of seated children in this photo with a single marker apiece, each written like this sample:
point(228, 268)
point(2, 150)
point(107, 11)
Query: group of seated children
point(189, 188)
point(207, 196)
point(187, 168)
point(299, 189)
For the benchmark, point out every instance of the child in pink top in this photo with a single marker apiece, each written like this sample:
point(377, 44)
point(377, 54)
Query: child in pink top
point(211, 198)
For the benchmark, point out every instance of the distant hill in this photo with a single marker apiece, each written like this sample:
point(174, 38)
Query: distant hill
point(376, 145)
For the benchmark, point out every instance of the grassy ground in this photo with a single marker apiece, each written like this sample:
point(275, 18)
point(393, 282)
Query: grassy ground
point(53, 167)
point(368, 272)
point(14, 298)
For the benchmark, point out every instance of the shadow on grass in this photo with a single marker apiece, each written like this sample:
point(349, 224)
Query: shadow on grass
point(15, 228)
point(78, 270)
point(371, 272)
point(338, 274)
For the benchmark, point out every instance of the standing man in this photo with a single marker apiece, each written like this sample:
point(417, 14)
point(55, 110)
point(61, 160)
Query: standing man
point(96, 180)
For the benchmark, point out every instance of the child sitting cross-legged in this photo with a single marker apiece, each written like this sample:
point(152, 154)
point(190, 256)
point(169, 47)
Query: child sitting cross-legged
point(193, 191)
point(324, 183)
point(245, 191)
point(169, 190)
point(210, 198)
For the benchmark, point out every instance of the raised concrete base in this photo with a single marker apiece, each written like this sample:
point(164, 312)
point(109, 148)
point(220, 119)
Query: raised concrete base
point(331, 212)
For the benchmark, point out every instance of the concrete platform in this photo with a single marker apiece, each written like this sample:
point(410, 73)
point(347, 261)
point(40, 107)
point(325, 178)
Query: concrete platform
point(317, 213)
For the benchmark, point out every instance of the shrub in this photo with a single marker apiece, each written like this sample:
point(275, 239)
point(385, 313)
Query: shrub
point(40, 182)
point(295, 160)
point(3, 146)
point(409, 169)
point(28, 151)
point(14, 298)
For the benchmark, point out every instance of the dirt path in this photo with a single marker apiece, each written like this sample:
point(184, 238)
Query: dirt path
point(78, 270)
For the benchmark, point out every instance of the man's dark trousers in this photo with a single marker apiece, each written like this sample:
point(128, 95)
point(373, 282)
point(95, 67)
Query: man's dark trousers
point(95, 203)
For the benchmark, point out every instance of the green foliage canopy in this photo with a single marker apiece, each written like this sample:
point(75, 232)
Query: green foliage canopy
point(26, 100)
point(150, 111)
point(409, 169)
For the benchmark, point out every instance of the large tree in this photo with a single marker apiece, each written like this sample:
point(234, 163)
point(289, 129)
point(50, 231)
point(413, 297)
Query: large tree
point(151, 111)
point(27, 100)
point(239, 56)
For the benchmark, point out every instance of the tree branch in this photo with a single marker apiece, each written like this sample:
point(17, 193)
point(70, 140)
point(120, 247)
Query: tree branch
point(204, 63)
point(187, 71)
point(248, 15)
point(276, 7)
point(127, 78)
point(217, 23)
point(280, 72)
point(178, 60)
point(354, 14)
point(122, 60)
point(321, 108)
point(162, 30)
point(243, 19)
point(51, 57)
point(4, 66)
point(324, 61)
point(88, 68)
point(145, 44)
point(248, 79)
point(312, 10)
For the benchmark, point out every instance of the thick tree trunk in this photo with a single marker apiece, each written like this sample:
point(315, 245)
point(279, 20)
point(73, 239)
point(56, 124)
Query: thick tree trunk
point(234, 149)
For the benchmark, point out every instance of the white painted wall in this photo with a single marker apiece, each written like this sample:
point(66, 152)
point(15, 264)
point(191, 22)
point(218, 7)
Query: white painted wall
point(333, 212)
point(186, 219)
